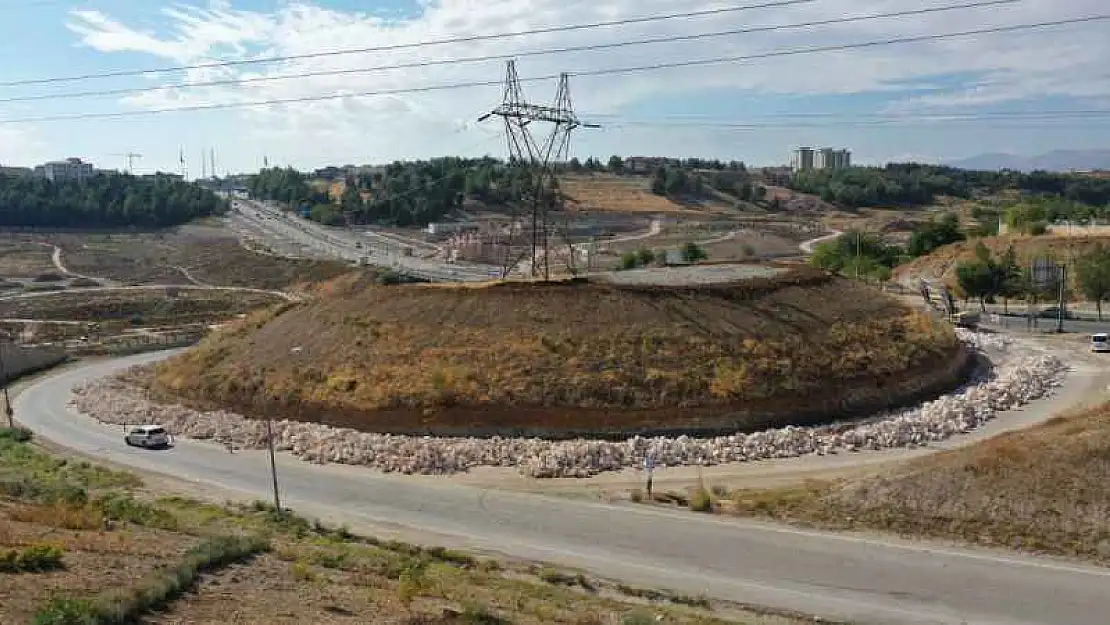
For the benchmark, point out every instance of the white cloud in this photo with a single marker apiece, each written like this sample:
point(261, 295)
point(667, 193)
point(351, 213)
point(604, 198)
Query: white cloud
point(1065, 62)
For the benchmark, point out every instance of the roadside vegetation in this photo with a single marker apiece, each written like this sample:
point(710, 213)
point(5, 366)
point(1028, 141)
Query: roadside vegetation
point(104, 201)
point(82, 545)
point(1041, 490)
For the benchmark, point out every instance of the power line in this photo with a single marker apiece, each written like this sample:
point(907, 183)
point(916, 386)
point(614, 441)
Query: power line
point(406, 46)
point(599, 72)
point(529, 53)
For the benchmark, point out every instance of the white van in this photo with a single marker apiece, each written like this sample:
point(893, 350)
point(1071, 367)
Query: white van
point(1100, 342)
point(148, 436)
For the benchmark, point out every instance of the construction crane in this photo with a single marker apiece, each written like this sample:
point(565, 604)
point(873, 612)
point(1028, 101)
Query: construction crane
point(130, 156)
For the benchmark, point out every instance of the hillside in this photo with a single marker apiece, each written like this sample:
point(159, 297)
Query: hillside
point(1058, 160)
point(573, 357)
point(1042, 489)
point(941, 263)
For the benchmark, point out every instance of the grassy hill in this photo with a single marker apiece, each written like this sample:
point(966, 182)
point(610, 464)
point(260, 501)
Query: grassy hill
point(571, 357)
point(941, 263)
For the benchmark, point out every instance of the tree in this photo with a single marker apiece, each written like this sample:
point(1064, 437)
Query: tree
point(575, 164)
point(645, 256)
point(976, 279)
point(106, 200)
point(1093, 275)
point(616, 164)
point(692, 252)
point(932, 234)
point(759, 193)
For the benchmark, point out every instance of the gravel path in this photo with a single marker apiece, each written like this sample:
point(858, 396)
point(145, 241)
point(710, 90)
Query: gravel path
point(1019, 376)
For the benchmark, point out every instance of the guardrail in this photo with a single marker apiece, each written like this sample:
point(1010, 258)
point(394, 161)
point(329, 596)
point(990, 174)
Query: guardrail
point(135, 344)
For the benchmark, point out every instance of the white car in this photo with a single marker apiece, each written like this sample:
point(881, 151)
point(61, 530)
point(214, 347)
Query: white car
point(1100, 342)
point(148, 436)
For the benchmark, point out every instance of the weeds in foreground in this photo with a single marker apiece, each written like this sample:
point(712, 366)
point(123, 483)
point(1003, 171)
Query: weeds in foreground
point(33, 559)
point(123, 606)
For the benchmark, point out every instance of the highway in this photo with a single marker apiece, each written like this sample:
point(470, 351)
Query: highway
point(315, 240)
point(852, 577)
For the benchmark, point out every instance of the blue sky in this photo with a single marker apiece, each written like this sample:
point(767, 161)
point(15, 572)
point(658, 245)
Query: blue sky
point(884, 103)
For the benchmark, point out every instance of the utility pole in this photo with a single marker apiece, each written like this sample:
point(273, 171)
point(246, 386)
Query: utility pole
point(857, 253)
point(1060, 311)
point(7, 400)
point(538, 157)
point(273, 460)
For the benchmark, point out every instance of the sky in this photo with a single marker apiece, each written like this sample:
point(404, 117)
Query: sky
point(933, 100)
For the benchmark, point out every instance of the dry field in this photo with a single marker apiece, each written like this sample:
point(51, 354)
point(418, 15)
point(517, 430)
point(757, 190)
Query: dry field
point(81, 544)
point(146, 307)
point(185, 255)
point(567, 357)
point(605, 192)
point(1042, 490)
point(23, 259)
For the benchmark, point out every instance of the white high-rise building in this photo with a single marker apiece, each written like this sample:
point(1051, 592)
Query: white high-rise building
point(802, 159)
point(69, 169)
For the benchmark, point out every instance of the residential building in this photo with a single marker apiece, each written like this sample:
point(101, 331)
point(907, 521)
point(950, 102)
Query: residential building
point(802, 159)
point(15, 172)
point(806, 158)
point(69, 169)
point(828, 158)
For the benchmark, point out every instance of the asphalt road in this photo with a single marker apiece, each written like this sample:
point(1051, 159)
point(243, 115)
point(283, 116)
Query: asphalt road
point(852, 577)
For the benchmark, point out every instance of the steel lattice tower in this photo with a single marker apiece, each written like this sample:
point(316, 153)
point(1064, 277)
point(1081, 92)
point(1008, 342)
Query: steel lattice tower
point(538, 156)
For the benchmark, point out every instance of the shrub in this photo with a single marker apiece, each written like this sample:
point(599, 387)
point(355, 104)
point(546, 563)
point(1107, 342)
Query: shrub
point(126, 508)
point(17, 434)
point(637, 496)
point(84, 283)
point(639, 617)
point(701, 501)
point(49, 276)
point(67, 612)
point(33, 559)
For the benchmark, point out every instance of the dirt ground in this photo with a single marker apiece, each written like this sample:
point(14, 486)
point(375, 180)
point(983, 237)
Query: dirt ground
point(23, 259)
point(192, 254)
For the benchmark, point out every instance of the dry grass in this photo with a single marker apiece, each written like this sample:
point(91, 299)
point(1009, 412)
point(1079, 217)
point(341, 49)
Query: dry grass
point(23, 259)
point(325, 582)
point(566, 357)
point(941, 264)
point(608, 193)
point(1046, 490)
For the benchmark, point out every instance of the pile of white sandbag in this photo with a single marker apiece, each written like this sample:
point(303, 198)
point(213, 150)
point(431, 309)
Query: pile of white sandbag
point(1017, 377)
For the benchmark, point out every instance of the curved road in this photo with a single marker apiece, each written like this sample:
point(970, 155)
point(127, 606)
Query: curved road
point(852, 577)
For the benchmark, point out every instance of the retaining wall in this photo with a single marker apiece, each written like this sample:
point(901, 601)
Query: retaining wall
point(20, 360)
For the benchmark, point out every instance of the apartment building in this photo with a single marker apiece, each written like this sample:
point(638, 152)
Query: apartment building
point(807, 158)
point(69, 169)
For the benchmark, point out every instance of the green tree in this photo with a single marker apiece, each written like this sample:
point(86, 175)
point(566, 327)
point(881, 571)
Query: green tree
point(692, 252)
point(976, 279)
point(1093, 275)
point(932, 234)
point(616, 164)
point(644, 257)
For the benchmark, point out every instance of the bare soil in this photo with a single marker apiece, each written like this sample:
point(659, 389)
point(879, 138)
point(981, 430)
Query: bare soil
point(572, 357)
point(147, 307)
point(23, 259)
point(193, 254)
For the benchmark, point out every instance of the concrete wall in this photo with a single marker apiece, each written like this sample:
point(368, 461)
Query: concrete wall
point(23, 359)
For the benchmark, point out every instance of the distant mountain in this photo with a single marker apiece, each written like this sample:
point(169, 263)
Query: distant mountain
point(1058, 160)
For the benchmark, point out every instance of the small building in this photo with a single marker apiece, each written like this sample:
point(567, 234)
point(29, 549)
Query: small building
point(16, 172)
